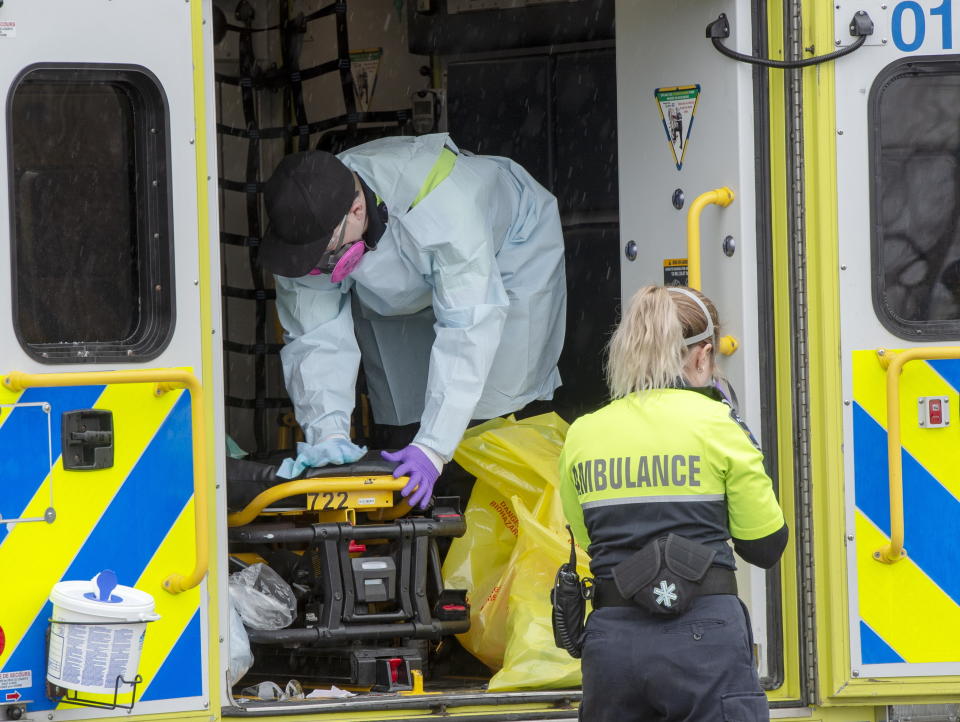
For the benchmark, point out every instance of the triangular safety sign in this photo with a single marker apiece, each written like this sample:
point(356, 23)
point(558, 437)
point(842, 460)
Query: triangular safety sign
point(677, 107)
point(364, 65)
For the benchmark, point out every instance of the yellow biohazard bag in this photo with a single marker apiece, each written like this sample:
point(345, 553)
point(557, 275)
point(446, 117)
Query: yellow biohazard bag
point(515, 463)
point(531, 658)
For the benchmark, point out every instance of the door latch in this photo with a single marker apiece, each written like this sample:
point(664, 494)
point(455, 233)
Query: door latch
point(87, 437)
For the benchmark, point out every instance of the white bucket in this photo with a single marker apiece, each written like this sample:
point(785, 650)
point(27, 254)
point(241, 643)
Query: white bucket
point(101, 640)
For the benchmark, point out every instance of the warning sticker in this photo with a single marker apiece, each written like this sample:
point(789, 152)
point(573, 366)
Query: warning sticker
point(8, 29)
point(674, 271)
point(364, 65)
point(677, 107)
point(16, 680)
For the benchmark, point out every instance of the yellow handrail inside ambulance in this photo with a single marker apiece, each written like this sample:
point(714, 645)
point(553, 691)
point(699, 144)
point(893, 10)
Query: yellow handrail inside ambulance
point(166, 379)
point(893, 362)
point(722, 197)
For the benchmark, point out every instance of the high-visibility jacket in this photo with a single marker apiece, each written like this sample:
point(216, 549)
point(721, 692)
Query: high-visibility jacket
point(670, 460)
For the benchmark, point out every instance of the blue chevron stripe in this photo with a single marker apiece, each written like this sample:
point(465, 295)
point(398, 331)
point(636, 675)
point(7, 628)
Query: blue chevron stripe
point(181, 673)
point(949, 369)
point(873, 650)
point(24, 452)
point(131, 529)
point(927, 505)
point(145, 507)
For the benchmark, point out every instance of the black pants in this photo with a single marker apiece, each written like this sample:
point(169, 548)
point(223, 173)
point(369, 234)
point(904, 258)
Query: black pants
point(697, 667)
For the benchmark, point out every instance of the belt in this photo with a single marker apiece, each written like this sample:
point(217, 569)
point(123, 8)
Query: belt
point(717, 580)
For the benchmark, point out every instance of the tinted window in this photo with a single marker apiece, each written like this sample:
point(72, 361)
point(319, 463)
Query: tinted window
point(915, 159)
point(500, 107)
point(90, 229)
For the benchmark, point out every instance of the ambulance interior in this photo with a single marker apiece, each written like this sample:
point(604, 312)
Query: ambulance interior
point(533, 81)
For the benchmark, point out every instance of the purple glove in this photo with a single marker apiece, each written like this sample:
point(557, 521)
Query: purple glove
point(412, 462)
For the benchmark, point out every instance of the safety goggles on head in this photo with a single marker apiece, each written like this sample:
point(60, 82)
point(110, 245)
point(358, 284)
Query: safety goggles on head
point(707, 333)
point(335, 251)
point(340, 259)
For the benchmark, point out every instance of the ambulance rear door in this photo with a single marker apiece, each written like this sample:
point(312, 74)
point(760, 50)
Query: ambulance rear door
point(101, 217)
point(898, 145)
point(687, 167)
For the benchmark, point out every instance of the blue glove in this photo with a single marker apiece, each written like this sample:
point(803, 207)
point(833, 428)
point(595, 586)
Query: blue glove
point(335, 450)
point(412, 462)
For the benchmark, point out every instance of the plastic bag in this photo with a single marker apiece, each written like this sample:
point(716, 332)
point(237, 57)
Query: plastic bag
point(514, 462)
point(262, 598)
point(531, 659)
point(271, 691)
point(241, 657)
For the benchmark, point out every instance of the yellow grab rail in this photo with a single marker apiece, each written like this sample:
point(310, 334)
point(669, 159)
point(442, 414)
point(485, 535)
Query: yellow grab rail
point(893, 362)
point(166, 379)
point(719, 196)
point(313, 486)
point(722, 197)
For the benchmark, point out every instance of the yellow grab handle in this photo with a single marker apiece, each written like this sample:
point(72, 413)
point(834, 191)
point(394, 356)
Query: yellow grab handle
point(893, 362)
point(719, 196)
point(728, 345)
point(166, 379)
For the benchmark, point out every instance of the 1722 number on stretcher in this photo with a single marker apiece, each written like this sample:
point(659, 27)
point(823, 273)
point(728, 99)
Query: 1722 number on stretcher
point(339, 500)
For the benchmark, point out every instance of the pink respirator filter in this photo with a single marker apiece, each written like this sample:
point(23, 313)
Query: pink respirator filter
point(349, 261)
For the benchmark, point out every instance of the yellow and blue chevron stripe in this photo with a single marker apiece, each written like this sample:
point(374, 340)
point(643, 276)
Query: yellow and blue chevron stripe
point(910, 610)
point(135, 518)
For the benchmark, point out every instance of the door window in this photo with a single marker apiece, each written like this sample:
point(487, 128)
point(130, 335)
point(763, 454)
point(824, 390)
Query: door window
point(915, 197)
point(91, 230)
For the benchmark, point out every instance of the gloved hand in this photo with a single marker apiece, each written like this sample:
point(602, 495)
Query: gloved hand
point(412, 462)
point(334, 450)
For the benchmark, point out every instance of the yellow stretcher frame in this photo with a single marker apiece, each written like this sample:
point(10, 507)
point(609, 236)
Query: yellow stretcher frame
point(298, 487)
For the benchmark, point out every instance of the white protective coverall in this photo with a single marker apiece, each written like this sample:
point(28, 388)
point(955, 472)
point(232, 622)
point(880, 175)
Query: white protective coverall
point(459, 311)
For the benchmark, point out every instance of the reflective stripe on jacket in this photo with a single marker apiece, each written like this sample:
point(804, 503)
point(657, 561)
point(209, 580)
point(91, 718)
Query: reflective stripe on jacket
point(670, 460)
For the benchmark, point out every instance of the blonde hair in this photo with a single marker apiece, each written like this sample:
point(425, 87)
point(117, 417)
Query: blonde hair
point(647, 351)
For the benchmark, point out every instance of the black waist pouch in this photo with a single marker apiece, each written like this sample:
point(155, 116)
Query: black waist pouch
point(665, 576)
point(568, 600)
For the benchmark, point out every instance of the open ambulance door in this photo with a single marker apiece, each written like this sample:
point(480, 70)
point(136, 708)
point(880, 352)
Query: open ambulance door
point(102, 376)
point(689, 213)
point(898, 180)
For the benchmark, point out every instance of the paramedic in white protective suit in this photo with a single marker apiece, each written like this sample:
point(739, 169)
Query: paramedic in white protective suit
point(445, 269)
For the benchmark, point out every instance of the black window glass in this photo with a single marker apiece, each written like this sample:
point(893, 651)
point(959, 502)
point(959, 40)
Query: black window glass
point(499, 107)
point(915, 158)
point(90, 222)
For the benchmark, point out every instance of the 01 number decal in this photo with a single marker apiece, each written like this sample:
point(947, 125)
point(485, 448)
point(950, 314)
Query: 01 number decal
point(909, 24)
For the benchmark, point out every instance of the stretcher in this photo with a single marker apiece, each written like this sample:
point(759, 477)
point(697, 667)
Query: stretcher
point(364, 566)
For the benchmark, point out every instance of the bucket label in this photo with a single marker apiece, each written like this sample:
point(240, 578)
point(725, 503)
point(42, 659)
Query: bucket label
point(16, 680)
point(92, 657)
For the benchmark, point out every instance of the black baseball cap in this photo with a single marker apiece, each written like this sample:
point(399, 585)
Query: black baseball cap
point(306, 198)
